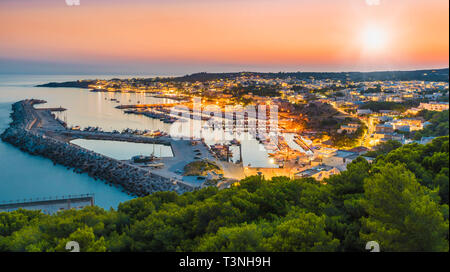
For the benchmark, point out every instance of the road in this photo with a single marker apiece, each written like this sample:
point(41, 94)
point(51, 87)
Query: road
point(365, 139)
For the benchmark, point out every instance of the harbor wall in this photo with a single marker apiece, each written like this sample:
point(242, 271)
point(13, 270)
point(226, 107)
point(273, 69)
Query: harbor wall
point(134, 180)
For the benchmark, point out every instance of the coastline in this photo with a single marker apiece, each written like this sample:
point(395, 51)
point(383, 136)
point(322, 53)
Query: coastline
point(24, 134)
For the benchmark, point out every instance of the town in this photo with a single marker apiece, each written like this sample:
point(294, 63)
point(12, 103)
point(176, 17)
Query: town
point(322, 124)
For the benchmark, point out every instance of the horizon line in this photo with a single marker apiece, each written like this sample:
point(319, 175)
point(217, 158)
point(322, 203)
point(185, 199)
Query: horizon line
point(234, 72)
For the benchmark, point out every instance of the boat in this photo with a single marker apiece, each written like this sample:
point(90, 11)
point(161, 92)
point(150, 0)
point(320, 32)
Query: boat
point(156, 165)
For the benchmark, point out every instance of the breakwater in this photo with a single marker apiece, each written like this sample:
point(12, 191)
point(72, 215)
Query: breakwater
point(133, 179)
point(163, 117)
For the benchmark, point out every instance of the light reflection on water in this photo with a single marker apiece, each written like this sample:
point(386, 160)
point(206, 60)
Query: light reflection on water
point(23, 176)
point(84, 109)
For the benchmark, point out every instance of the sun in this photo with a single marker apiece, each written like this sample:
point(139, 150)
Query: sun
point(374, 39)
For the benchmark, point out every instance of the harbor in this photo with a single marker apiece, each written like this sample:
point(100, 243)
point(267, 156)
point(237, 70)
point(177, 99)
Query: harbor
point(39, 133)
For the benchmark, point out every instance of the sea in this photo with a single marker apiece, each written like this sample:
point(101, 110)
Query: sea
point(24, 176)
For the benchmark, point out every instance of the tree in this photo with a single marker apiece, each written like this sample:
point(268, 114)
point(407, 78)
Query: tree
point(384, 148)
point(247, 237)
point(305, 232)
point(345, 210)
point(442, 181)
point(16, 220)
point(403, 215)
point(438, 126)
point(86, 239)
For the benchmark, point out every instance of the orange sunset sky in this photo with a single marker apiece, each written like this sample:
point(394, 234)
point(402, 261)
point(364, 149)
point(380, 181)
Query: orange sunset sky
point(176, 36)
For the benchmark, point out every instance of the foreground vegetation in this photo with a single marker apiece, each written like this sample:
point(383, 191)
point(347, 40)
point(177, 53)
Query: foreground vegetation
point(400, 200)
point(438, 124)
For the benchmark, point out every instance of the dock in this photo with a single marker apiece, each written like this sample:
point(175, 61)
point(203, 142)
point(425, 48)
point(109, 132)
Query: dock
point(49, 205)
point(144, 106)
point(54, 109)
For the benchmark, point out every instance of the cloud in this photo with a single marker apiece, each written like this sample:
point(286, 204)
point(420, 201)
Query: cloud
point(373, 2)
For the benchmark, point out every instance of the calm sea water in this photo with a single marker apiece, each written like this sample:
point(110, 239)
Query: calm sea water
point(124, 150)
point(25, 176)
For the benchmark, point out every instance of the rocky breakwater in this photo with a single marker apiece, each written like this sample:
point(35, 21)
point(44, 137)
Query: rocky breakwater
point(133, 179)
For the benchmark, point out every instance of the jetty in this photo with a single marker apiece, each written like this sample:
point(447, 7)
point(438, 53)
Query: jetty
point(49, 205)
point(145, 106)
point(38, 132)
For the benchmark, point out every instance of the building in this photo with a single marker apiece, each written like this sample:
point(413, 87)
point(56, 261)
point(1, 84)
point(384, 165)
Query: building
point(384, 137)
point(363, 111)
point(50, 205)
point(360, 150)
point(384, 128)
point(434, 106)
point(319, 172)
point(413, 111)
point(426, 140)
point(340, 159)
point(408, 124)
point(349, 128)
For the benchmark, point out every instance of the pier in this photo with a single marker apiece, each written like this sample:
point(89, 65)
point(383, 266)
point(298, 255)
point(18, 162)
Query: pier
point(54, 109)
point(49, 205)
point(145, 106)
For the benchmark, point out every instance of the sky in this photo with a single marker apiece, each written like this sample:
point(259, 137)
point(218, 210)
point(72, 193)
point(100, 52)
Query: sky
point(172, 37)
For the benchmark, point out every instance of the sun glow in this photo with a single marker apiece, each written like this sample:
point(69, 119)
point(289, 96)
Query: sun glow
point(374, 39)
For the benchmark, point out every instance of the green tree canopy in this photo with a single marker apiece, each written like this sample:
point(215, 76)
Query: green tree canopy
point(403, 216)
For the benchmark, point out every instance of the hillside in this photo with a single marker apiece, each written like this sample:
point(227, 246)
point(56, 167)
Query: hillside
point(401, 201)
